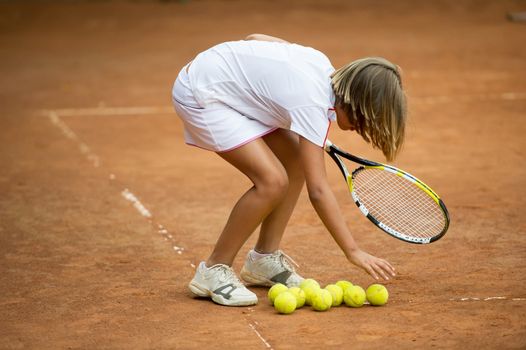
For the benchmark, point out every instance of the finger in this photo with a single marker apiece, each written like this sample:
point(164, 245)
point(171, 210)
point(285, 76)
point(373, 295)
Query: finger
point(371, 271)
point(381, 271)
point(391, 267)
point(387, 263)
point(386, 266)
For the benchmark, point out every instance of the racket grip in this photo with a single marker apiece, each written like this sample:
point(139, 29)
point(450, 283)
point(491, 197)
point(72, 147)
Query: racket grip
point(328, 145)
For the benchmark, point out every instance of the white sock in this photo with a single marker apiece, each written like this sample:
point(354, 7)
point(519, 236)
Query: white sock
point(256, 256)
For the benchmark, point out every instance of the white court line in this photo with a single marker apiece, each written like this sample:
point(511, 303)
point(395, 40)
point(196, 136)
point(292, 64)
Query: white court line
point(70, 134)
point(110, 111)
point(136, 203)
point(54, 117)
point(253, 326)
point(94, 159)
point(505, 96)
point(487, 299)
point(148, 110)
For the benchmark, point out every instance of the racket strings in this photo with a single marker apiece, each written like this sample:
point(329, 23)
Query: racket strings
point(404, 212)
point(395, 213)
point(398, 203)
point(405, 219)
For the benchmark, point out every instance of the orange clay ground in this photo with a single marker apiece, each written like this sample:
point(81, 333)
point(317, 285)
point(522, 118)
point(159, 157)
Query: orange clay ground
point(82, 267)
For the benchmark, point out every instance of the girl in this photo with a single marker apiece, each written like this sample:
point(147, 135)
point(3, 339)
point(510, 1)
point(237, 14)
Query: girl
point(259, 103)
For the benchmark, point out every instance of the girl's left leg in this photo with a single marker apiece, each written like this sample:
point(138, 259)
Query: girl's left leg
point(285, 145)
point(266, 264)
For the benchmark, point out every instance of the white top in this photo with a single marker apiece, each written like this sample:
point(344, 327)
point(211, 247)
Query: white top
point(278, 84)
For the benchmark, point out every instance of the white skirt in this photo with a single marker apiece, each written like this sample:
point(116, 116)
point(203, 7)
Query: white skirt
point(215, 127)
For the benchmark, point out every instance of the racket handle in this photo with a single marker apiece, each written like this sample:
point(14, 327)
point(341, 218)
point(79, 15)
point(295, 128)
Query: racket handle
point(328, 145)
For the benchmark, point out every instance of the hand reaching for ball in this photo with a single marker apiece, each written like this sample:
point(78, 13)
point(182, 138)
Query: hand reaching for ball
point(371, 264)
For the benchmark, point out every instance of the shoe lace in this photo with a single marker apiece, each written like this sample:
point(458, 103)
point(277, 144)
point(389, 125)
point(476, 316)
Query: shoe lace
point(286, 261)
point(227, 274)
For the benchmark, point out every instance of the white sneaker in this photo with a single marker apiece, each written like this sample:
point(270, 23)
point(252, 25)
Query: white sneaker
point(271, 269)
point(221, 284)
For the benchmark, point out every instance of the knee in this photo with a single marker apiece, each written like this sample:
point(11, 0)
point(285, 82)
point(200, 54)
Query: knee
point(273, 185)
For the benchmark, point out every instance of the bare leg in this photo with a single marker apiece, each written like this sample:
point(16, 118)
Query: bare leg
point(257, 161)
point(285, 146)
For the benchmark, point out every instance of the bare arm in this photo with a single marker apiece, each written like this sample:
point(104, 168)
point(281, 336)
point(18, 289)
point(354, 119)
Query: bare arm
point(263, 37)
point(325, 204)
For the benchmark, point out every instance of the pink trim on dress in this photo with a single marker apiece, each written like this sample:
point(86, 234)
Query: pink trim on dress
point(194, 145)
point(236, 146)
point(248, 141)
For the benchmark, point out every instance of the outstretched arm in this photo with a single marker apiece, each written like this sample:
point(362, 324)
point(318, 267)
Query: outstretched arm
point(263, 37)
point(325, 204)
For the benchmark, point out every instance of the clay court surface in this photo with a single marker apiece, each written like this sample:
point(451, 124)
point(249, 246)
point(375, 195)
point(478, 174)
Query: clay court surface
point(104, 210)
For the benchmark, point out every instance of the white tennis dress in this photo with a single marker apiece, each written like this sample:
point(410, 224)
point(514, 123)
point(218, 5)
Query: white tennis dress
point(238, 91)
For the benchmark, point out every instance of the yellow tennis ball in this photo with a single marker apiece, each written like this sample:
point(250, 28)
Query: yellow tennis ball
point(309, 293)
point(285, 303)
point(321, 300)
point(309, 282)
point(300, 296)
point(309, 286)
point(354, 296)
point(377, 294)
point(336, 293)
point(344, 285)
point(276, 290)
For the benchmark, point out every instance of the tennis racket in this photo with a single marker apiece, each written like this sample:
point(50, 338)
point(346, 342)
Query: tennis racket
point(395, 201)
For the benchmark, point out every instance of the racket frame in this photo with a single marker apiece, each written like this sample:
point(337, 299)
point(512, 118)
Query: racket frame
point(335, 153)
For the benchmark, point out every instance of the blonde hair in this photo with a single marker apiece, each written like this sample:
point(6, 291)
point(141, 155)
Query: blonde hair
point(369, 90)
